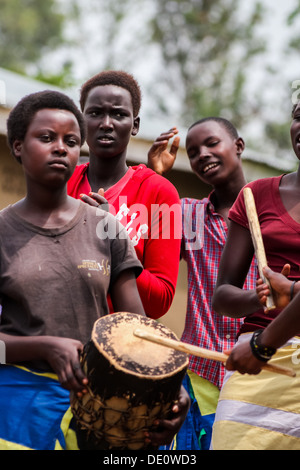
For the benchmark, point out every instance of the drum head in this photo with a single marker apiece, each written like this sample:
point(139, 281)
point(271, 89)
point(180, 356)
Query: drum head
point(114, 337)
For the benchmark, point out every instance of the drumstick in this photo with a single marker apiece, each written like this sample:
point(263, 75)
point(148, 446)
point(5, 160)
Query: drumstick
point(202, 352)
point(257, 242)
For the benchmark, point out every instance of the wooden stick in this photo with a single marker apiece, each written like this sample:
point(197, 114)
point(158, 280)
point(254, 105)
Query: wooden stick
point(202, 352)
point(257, 242)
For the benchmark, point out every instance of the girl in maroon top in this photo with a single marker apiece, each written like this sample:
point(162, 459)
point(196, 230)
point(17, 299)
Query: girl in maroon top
point(277, 204)
point(262, 412)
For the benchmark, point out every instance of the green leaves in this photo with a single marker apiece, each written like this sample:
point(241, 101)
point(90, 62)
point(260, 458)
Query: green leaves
point(28, 30)
point(207, 47)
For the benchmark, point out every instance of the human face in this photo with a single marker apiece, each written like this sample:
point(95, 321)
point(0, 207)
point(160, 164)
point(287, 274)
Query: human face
point(110, 122)
point(51, 147)
point(213, 152)
point(295, 131)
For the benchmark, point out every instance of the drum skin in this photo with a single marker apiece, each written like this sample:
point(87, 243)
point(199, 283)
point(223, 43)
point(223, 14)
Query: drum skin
point(132, 382)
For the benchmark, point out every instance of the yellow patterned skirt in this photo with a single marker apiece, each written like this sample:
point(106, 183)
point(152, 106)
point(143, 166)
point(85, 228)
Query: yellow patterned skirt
point(260, 412)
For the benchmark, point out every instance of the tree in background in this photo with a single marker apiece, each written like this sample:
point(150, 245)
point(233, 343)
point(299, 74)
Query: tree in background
point(277, 124)
point(193, 55)
point(207, 48)
point(193, 58)
point(29, 31)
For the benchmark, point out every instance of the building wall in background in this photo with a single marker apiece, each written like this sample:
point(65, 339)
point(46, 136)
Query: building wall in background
point(12, 184)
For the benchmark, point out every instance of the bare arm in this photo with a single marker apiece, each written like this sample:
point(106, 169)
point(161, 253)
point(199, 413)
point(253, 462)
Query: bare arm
point(62, 354)
point(284, 326)
point(278, 332)
point(124, 294)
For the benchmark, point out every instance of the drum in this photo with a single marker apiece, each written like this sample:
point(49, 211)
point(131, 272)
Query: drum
point(132, 382)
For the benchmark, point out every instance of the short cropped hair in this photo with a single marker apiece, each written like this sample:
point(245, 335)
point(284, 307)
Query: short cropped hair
point(228, 126)
point(117, 78)
point(22, 114)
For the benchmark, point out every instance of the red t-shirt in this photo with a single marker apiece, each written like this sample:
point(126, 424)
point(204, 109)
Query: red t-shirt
point(148, 205)
point(280, 235)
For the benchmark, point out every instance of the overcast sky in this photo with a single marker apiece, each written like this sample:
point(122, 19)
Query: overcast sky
point(275, 86)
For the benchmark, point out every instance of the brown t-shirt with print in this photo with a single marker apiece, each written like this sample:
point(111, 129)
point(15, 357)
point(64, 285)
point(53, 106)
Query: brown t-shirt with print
point(55, 282)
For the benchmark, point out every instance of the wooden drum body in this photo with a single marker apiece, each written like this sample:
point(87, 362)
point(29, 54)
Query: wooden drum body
point(132, 382)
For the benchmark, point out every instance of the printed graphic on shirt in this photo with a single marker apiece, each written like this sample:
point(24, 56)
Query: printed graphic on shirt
point(92, 265)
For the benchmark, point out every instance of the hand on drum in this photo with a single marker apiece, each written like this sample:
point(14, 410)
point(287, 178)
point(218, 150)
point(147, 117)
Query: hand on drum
point(167, 428)
point(63, 356)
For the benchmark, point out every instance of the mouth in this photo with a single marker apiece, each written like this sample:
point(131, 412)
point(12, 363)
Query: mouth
point(58, 164)
point(209, 167)
point(105, 139)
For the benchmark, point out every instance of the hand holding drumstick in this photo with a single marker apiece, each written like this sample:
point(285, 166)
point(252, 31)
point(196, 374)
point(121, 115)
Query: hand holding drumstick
point(283, 289)
point(205, 353)
point(273, 289)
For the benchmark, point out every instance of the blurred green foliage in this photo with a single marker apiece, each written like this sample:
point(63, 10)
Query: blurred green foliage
point(29, 29)
point(207, 49)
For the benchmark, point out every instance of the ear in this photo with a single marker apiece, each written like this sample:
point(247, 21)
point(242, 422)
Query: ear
point(136, 126)
point(240, 146)
point(17, 150)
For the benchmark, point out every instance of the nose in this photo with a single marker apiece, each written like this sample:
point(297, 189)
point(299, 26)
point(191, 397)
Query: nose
point(60, 147)
point(106, 122)
point(203, 152)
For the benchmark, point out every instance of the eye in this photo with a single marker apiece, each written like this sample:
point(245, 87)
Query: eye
point(119, 113)
point(45, 138)
point(92, 112)
point(72, 141)
point(213, 143)
point(192, 154)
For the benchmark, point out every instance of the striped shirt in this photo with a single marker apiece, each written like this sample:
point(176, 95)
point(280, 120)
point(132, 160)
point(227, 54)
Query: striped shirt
point(204, 236)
